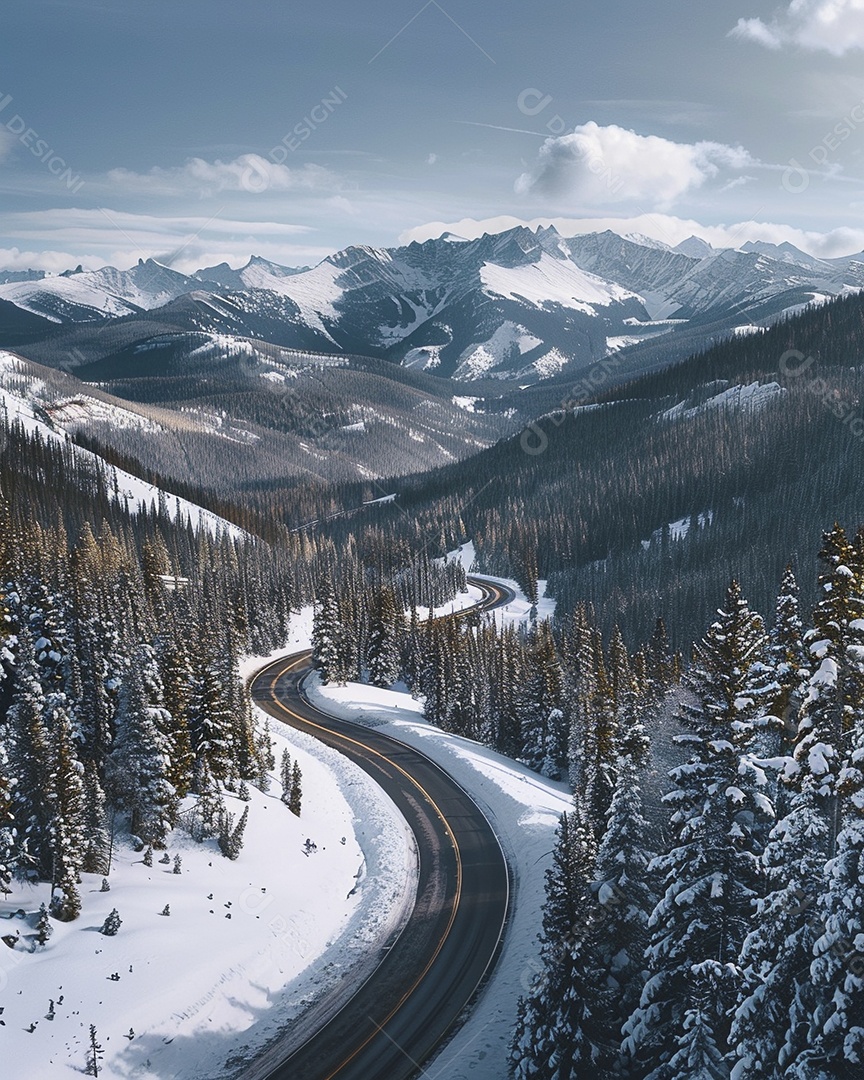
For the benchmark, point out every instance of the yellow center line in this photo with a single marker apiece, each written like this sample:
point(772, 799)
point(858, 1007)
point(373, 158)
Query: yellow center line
point(304, 659)
point(433, 804)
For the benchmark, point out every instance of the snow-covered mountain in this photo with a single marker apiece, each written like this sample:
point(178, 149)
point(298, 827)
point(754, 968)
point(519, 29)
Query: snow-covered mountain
point(521, 305)
point(83, 296)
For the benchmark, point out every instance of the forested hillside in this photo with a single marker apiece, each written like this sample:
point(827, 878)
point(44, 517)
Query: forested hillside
point(122, 629)
point(648, 501)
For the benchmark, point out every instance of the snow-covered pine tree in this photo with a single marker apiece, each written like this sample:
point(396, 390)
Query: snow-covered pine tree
point(787, 661)
point(383, 647)
point(7, 824)
point(597, 739)
point(285, 776)
point(95, 1053)
point(66, 801)
point(834, 706)
point(97, 836)
point(544, 724)
point(29, 762)
point(210, 719)
point(231, 835)
point(712, 870)
point(327, 635)
point(295, 798)
point(773, 1022)
point(631, 705)
point(563, 1028)
point(112, 923)
point(138, 765)
point(623, 895)
point(698, 1056)
point(44, 929)
point(177, 676)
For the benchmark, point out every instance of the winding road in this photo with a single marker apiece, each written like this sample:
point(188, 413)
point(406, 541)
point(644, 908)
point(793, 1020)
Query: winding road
point(404, 1010)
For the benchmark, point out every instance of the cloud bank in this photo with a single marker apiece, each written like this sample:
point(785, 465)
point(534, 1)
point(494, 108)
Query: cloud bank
point(834, 26)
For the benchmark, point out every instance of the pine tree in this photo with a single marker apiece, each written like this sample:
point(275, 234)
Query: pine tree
point(712, 872)
point(29, 761)
point(231, 835)
point(112, 923)
point(698, 1056)
point(594, 738)
point(94, 1053)
point(176, 672)
point(623, 896)
point(7, 824)
point(772, 1024)
point(139, 762)
point(285, 776)
point(66, 801)
point(97, 837)
point(210, 716)
point(384, 645)
point(327, 634)
point(296, 797)
point(544, 724)
point(563, 1030)
point(837, 970)
point(44, 929)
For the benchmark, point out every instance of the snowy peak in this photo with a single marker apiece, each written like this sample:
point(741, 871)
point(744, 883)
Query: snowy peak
point(695, 247)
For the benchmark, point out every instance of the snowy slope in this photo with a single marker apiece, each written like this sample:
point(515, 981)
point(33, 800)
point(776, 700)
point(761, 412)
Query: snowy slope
point(126, 488)
point(553, 281)
point(248, 946)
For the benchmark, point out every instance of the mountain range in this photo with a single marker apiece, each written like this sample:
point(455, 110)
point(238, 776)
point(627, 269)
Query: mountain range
point(521, 306)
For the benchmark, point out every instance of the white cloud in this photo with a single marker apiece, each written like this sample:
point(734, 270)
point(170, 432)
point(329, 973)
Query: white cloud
point(248, 173)
point(834, 26)
point(666, 228)
point(612, 164)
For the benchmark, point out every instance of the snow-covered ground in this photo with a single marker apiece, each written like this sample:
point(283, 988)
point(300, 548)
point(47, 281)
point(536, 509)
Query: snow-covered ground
point(264, 944)
point(523, 809)
point(248, 946)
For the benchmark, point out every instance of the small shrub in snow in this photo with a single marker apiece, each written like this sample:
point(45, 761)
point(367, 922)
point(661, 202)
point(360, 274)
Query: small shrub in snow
point(166, 910)
point(106, 885)
point(148, 857)
point(166, 859)
point(112, 924)
point(178, 865)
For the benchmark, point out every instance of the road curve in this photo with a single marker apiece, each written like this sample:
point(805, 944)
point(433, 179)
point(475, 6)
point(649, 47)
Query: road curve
point(404, 1010)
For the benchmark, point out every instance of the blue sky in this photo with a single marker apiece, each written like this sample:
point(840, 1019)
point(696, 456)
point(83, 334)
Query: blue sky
point(205, 130)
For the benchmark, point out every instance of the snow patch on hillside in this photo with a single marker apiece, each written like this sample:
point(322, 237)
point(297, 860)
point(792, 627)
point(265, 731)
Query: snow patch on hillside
point(553, 281)
point(509, 339)
point(424, 357)
point(754, 395)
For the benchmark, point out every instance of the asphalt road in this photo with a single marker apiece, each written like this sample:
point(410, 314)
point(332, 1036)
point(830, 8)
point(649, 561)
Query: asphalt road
point(405, 1009)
